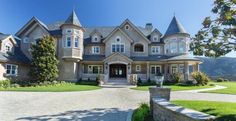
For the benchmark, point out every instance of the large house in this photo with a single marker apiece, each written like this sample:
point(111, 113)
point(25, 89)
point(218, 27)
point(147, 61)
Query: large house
point(114, 51)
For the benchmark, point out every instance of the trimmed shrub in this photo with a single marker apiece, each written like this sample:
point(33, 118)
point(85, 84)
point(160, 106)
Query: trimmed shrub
point(5, 83)
point(15, 85)
point(220, 80)
point(142, 113)
point(200, 78)
point(189, 82)
point(226, 80)
point(139, 81)
point(149, 80)
point(176, 77)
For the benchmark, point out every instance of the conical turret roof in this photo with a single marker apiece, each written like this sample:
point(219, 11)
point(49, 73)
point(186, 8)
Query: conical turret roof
point(73, 19)
point(175, 27)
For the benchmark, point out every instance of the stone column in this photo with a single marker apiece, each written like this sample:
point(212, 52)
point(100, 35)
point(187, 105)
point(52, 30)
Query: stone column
point(186, 71)
point(148, 70)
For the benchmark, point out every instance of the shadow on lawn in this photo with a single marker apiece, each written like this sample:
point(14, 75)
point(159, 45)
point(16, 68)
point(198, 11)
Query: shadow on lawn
point(99, 114)
point(228, 117)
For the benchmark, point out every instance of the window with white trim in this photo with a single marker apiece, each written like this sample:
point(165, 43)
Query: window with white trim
point(95, 49)
point(95, 39)
point(181, 68)
point(68, 42)
point(155, 69)
point(95, 69)
point(155, 38)
point(26, 40)
point(8, 48)
point(138, 48)
point(138, 68)
point(68, 31)
point(127, 27)
point(76, 42)
point(118, 47)
point(174, 68)
point(182, 47)
point(11, 69)
point(173, 47)
point(155, 49)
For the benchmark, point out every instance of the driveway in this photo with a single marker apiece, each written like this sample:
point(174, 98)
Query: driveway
point(107, 104)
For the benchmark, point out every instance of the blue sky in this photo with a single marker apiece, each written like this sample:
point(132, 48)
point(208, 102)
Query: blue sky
point(15, 13)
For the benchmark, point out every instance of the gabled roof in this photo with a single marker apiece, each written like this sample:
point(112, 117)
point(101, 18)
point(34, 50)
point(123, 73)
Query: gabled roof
point(73, 19)
point(156, 31)
point(135, 28)
point(95, 31)
point(3, 36)
point(34, 19)
point(115, 30)
point(175, 27)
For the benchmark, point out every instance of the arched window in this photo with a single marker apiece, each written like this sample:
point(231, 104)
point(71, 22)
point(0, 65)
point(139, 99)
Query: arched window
point(138, 48)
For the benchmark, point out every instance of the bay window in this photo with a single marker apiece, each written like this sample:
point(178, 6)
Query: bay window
point(76, 42)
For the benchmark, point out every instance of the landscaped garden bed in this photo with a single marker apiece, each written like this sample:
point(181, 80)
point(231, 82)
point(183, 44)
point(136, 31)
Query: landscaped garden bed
point(224, 111)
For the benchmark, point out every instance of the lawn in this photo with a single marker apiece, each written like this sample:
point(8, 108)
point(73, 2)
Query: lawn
point(231, 88)
point(55, 88)
point(174, 87)
point(223, 111)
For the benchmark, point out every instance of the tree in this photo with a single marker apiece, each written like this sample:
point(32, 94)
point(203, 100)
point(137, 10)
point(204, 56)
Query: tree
point(218, 35)
point(44, 62)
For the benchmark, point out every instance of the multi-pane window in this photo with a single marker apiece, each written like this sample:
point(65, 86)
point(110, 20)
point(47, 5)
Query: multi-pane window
point(138, 68)
point(138, 48)
point(118, 48)
point(174, 68)
point(76, 42)
point(94, 69)
point(173, 47)
point(181, 68)
point(181, 47)
point(68, 41)
point(95, 49)
point(11, 69)
point(8, 48)
point(155, 69)
point(155, 49)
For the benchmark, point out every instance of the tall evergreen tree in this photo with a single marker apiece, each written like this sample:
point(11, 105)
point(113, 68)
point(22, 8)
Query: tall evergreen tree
point(44, 65)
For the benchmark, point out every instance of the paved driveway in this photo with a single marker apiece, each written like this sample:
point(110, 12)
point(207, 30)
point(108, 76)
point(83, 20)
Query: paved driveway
point(107, 104)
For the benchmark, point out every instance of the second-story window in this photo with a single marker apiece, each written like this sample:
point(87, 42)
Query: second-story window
point(182, 47)
point(95, 38)
point(138, 48)
point(155, 49)
point(118, 47)
point(173, 47)
point(11, 69)
point(155, 38)
point(68, 42)
point(76, 42)
point(95, 49)
point(8, 48)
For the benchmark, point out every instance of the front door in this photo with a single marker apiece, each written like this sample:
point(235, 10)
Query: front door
point(117, 71)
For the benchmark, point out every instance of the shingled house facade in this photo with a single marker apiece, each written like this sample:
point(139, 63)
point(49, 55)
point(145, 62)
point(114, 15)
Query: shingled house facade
point(115, 52)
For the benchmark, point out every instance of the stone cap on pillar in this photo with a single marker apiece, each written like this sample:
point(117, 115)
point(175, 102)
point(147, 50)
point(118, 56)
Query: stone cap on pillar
point(159, 92)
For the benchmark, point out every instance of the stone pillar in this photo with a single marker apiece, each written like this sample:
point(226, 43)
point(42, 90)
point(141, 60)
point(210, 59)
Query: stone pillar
point(158, 92)
point(148, 70)
point(186, 71)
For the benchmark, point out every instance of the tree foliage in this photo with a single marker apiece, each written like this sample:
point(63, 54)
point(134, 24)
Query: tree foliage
point(44, 62)
point(218, 34)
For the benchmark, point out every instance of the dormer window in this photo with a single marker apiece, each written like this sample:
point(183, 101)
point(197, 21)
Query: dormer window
point(127, 27)
point(155, 38)
point(8, 48)
point(26, 40)
point(117, 39)
point(95, 38)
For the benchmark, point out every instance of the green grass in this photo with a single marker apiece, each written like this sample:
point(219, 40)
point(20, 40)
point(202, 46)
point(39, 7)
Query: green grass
point(224, 111)
point(55, 88)
point(231, 88)
point(174, 87)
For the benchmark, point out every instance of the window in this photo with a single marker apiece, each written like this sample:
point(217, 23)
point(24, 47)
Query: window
point(95, 49)
point(26, 40)
point(68, 42)
point(8, 48)
point(181, 47)
point(138, 68)
point(174, 69)
point(76, 42)
point(155, 49)
point(94, 69)
point(155, 69)
point(173, 47)
point(95, 38)
point(11, 69)
point(127, 27)
point(68, 31)
point(155, 38)
point(118, 39)
point(138, 48)
point(118, 48)
point(181, 68)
